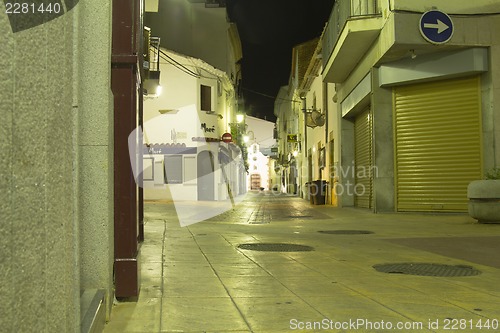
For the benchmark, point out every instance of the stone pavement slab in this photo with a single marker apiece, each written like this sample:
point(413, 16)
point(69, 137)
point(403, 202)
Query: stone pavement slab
point(480, 250)
point(197, 279)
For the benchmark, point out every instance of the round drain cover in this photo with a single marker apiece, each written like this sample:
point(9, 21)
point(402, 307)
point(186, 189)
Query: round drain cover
point(424, 269)
point(345, 232)
point(275, 247)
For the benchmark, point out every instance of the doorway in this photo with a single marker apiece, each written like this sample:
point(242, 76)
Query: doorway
point(206, 179)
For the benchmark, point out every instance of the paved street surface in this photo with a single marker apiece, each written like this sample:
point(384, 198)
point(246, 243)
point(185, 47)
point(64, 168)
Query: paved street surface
point(197, 279)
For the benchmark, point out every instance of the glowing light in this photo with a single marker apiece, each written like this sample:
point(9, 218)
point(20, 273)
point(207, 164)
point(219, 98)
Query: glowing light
point(159, 90)
point(240, 117)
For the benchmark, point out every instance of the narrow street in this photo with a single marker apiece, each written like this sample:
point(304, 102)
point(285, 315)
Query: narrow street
point(311, 269)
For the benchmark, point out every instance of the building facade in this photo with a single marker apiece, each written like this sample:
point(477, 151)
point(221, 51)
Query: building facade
point(399, 114)
point(320, 129)
point(184, 155)
point(417, 100)
point(260, 141)
point(306, 128)
point(288, 114)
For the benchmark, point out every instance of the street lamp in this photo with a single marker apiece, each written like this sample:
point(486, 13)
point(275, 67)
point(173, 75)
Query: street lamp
point(240, 117)
point(246, 137)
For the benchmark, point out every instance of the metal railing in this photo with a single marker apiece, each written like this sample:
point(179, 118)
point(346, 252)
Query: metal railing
point(344, 10)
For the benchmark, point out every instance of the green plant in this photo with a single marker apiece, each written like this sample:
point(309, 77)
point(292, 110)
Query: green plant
point(493, 174)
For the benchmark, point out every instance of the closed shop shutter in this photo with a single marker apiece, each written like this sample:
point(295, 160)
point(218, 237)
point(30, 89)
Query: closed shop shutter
point(437, 144)
point(363, 160)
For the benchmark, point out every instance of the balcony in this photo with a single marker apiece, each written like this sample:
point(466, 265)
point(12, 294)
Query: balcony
point(352, 28)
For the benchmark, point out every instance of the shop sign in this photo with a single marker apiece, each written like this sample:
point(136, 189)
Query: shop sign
point(207, 128)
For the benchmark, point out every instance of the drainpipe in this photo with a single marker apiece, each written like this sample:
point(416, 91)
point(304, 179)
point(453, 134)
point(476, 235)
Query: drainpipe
point(306, 158)
point(125, 79)
point(304, 111)
point(325, 108)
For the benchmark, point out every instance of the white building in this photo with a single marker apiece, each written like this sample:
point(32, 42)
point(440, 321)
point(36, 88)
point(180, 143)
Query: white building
point(258, 177)
point(290, 110)
point(259, 140)
point(184, 157)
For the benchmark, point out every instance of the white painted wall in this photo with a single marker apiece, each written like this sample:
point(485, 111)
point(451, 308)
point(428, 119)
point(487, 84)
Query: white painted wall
point(262, 132)
point(174, 117)
point(258, 164)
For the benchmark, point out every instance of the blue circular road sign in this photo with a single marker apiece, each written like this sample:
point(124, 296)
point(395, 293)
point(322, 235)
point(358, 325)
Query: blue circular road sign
point(436, 27)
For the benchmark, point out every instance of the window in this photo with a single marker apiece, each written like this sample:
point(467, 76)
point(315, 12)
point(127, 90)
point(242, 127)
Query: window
point(173, 169)
point(190, 172)
point(206, 98)
point(147, 166)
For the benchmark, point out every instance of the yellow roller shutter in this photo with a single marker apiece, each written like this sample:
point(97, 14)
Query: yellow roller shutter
point(363, 160)
point(437, 144)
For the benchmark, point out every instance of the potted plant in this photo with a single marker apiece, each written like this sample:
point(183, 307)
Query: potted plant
point(484, 198)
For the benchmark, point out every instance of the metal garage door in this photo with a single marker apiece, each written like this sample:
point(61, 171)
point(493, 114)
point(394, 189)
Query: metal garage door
point(363, 160)
point(437, 144)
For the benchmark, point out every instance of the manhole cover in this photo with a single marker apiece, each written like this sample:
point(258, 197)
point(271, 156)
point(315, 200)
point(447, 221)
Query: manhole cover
point(276, 247)
point(424, 269)
point(345, 232)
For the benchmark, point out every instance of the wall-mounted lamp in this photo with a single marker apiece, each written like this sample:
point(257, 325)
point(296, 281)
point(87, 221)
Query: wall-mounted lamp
point(158, 90)
point(246, 137)
point(240, 117)
point(151, 85)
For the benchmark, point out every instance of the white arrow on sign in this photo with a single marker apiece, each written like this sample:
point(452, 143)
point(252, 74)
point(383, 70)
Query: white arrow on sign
point(440, 26)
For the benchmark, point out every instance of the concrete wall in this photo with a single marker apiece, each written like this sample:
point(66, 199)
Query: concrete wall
point(95, 148)
point(383, 147)
point(455, 7)
point(55, 199)
point(38, 234)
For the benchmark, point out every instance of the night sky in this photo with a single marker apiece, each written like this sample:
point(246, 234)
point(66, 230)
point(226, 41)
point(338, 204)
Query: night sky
point(268, 30)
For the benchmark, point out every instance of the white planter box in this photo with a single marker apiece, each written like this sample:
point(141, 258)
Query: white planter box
point(484, 200)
